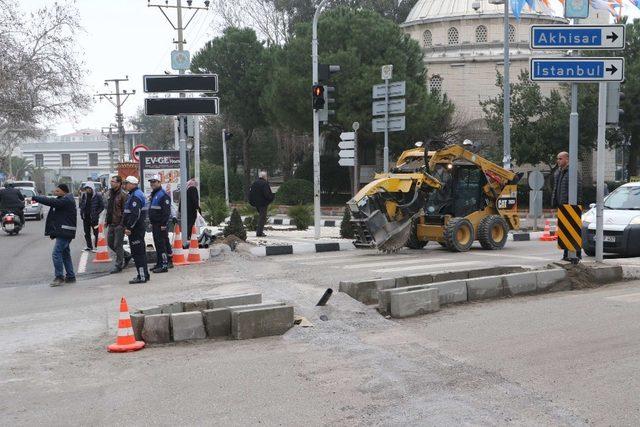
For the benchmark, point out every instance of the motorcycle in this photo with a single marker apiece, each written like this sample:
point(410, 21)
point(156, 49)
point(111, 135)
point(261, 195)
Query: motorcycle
point(11, 223)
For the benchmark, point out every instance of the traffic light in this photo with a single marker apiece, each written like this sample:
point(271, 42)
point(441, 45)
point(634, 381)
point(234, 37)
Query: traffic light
point(318, 97)
point(325, 73)
point(227, 135)
point(614, 96)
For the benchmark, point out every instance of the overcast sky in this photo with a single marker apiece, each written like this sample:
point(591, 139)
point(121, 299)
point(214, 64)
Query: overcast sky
point(126, 37)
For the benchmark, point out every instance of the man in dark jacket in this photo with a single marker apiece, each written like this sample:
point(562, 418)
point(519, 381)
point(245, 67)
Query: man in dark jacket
point(115, 231)
point(12, 200)
point(193, 207)
point(260, 197)
point(61, 226)
point(159, 215)
point(134, 227)
point(560, 194)
point(91, 206)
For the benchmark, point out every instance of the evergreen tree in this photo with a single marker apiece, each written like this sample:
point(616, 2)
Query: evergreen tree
point(235, 227)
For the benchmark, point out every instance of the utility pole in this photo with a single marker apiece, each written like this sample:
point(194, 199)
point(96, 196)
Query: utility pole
point(182, 131)
point(112, 160)
point(121, 98)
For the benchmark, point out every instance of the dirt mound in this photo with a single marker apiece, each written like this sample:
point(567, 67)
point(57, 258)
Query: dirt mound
point(578, 275)
point(232, 241)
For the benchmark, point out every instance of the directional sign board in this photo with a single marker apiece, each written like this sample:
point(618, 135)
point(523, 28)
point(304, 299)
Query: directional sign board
point(577, 69)
point(346, 145)
point(395, 89)
point(347, 162)
point(347, 136)
point(396, 106)
point(396, 124)
point(177, 106)
point(181, 83)
point(589, 37)
point(346, 154)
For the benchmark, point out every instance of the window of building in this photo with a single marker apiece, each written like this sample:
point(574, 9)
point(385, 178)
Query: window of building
point(66, 160)
point(93, 159)
point(482, 35)
point(39, 160)
point(512, 34)
point(427, 38)
point(435, 84)
point(453, 36)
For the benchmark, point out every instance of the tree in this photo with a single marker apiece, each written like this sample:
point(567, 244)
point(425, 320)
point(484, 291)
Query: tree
point(40, 75)
point(238, 58)
point(157, 131)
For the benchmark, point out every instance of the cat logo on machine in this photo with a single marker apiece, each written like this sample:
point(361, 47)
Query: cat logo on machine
point(507, 203)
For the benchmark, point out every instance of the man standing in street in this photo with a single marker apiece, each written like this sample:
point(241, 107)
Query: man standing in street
point(61, 226)
point(115, 230)
point(134, 227)
point(560, 194)
point(260, 197)
point(91, 206)
point(12, 200)
point(159, 215)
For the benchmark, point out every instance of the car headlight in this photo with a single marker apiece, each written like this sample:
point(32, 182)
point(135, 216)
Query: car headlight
point(635, 220)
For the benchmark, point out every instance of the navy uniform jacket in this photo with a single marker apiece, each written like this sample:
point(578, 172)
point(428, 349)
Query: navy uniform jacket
point(134, 211)
point(62, 217)
point(160, 207)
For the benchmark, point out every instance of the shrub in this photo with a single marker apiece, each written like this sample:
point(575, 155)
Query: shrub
point(251, 222)
point(295, 192)
point(212, 177)
point(214, 209)
point(346, 229)
point(235, 226)
point(302, 216)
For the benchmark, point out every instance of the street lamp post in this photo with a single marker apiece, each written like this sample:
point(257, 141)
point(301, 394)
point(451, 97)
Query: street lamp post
point(506, 120)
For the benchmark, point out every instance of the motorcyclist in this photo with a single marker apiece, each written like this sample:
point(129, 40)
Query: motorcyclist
point(12, 200)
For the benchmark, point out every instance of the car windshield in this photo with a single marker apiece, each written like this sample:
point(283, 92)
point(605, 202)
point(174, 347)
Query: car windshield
point(27, 193)
point(624, 198)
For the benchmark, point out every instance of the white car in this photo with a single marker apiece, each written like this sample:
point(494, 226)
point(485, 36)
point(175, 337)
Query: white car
point(621, 222)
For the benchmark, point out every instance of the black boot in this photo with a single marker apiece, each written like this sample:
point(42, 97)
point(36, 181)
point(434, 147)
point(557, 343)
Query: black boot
point(137, 280)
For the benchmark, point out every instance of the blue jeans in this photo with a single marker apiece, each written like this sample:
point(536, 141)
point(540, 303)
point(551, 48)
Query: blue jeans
point(62, 258)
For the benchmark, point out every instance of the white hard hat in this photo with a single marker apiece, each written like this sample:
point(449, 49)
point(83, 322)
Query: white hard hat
point(154, 178)
point(131, 180)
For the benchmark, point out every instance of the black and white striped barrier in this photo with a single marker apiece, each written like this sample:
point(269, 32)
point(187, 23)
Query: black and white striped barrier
point(302, 248)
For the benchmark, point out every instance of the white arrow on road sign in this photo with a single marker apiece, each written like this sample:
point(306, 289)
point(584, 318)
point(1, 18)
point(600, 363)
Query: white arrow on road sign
point(347, 162)
point(346, 145)
point(396, 124)
point(577, 69)
point(395, 89)
point(590, 37)
point(346, 153)
point(396, 106)
point(347, 136)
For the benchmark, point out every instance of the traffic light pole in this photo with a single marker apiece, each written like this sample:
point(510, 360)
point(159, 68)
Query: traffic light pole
point(602, 129)
point(574, 122)
point(316, 124)
point(224, 160)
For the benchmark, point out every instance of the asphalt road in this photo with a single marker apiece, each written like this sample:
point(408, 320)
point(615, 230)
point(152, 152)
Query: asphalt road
point(558, 359)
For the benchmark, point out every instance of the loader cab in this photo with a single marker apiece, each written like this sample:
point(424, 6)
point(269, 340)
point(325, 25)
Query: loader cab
point(461, 193)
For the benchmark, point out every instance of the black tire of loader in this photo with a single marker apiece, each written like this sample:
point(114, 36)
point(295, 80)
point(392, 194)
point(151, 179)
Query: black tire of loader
point(486, 235)
point(413, 242)
point(450, 234)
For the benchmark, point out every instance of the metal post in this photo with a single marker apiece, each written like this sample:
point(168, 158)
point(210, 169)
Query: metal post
point(196, 148)
point(506, 131)
point(119, 121)
point(602, 129)
point(356, 175)
point(573, 151)
point(386, 127)
point(316, 124)
point(224, 160)
point(182, 141)
point(176, 134)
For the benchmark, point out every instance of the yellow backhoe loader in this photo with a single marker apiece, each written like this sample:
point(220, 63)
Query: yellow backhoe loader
point(451, 196)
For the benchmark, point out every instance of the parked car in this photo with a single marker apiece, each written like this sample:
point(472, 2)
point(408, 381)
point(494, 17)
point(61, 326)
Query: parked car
point(621, 217)
point(32, 209)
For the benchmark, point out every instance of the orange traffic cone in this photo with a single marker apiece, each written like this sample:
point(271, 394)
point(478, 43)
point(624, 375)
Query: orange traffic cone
point(125, 340)
point(178, 252)
point(546, 236)
point(102, 254)
point(194, 250)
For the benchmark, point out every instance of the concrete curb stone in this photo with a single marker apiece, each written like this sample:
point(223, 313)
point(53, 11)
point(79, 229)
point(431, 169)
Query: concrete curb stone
point(174, 307)
point(233, 300)
point(547, 279)
point(217, 322)
point(157, 329)
point(485, 288)
point(414, 303)
point(520, 283)
point(187, 326)
point(137, 324)
point(195, 305)
point(451, 292)
point(261, 321)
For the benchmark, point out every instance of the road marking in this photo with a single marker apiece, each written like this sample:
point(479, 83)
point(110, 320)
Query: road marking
point(626, 298)
point(364, 261)
point(501, 255)
point(82, 265)
point(421, 260)
point(423, 267)
point(311, 256)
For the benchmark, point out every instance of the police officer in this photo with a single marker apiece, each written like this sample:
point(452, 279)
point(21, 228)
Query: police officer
point(134, 227)
point(159, 214)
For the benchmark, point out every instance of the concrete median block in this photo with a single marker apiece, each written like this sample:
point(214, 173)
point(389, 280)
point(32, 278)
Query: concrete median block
point(494, 271)
point(602, 274)
point(151, 310)
point(175, 307)
point(195, 305)
point(520, 283)
point(233, 300)
point(451, 292)
point(137, 323)
point(157, 329)
point(450, 275)
point(417, 279)
point(414, 303)
point(485, 288)
point(384, 297)
point(546, 279)
point(187, 326)
point(261, 322)
point(367, 291)
point(217, 322)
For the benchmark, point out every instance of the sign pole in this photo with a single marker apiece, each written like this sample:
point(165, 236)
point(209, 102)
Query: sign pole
point(574, 120)
point(183, 177)
point(196, 148)
point(506, 119)
point(386, 127)
point(602, 128)
point(356, 177)
point(224, 160)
